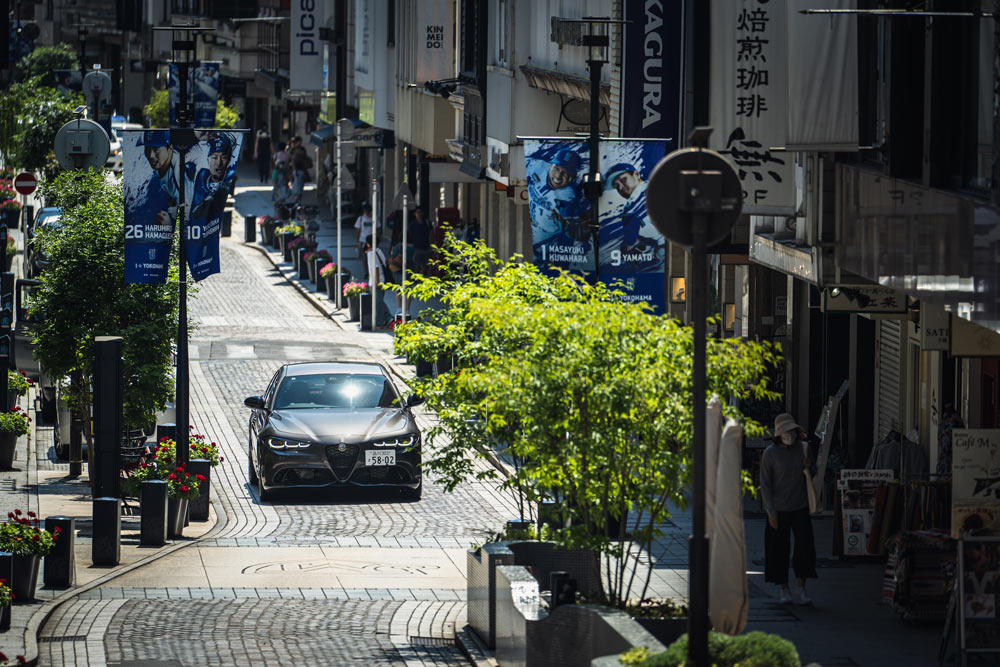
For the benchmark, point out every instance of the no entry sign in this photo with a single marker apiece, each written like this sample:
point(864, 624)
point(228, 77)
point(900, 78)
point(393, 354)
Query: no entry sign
point(25, 183)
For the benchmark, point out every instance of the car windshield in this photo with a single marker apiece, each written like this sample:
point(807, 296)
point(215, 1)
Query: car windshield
point(335, 390)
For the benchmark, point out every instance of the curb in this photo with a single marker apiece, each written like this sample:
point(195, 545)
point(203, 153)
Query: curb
point(473, 649)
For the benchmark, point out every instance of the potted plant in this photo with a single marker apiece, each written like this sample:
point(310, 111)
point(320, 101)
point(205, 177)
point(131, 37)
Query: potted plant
point(10, 209)
point(201, 448)
point(182, 486)
point(13, 425)
point(22, 536)
point(286, 234)
point(293, 250)
point(307, 264)
point(17, 386)
point(6, 597)
point(329, 276)
point(317, 259)
point(353, 293)
point(11, 250)
point(267, 226)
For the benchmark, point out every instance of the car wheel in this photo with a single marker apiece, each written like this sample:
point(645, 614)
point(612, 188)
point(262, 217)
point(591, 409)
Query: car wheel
point(412, 494)
point(262, 492)
point(251, 470)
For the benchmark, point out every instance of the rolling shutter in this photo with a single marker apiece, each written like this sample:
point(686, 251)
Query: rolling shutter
point(889, 376)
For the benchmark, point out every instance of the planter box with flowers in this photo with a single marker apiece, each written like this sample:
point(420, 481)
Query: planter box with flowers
point(328, 274)
point(354, 292)
point(10, 252)
point(182, 486)
point(286, 234)
point(18, 384)
point(13, 425)
point(314, 261)
point(6, 597)
point(22, 536)
point(267, 226)
point(10, 212)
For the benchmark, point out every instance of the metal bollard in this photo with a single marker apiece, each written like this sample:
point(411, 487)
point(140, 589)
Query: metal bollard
point(198, 508)
point(166, 431)
point(60, 564)
point(250, 228)
point(227, 223)
point(153, 517)
point(107, 547)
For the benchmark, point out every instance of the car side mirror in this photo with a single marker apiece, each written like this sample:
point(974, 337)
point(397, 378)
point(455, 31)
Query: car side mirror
point(255, 402)
point(412, 400)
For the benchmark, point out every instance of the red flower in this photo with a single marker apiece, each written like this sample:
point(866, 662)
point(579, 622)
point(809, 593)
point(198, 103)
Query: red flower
point(10, 515)
point(31, 514)
point(3, 657)
point(21, 660)
point(200, 478)
point(17, 512)
point(171, 476)
point(221, 459)
point(184, 488)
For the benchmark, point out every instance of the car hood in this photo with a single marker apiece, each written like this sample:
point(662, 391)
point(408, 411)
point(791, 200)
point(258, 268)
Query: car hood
point(342, 424)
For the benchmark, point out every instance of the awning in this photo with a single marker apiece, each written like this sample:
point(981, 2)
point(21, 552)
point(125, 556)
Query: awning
point(562, 83)
point(324, 133)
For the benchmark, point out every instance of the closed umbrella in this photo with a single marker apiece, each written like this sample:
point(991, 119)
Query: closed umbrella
point(713, 430)
point(728, 599)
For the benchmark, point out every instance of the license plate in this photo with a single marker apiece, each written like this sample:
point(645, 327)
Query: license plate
point(380, 458)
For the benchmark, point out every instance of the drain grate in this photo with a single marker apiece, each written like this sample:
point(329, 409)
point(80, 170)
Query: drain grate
point(65, 638)
point(432, 641)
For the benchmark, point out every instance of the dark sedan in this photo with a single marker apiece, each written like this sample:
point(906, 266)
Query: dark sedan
point(333, 424)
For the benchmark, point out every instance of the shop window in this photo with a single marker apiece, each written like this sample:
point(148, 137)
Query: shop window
point(678, 289)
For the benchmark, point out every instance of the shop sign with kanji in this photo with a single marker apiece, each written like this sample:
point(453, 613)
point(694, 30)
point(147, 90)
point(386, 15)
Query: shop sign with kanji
point(873, 299)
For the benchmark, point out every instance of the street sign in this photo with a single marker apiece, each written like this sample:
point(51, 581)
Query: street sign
point(694, 182)
point(25, 183)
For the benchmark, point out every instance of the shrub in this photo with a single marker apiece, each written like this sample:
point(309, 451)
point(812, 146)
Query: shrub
point(18, 383)
point(15, 421)
point(754, 649)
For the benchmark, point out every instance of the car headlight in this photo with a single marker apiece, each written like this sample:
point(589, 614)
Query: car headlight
point(402, 441)
point(284, 443)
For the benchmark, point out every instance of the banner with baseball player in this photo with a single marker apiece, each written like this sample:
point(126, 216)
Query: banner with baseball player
point(151, 183)
point(631, 251)
point(203, 92)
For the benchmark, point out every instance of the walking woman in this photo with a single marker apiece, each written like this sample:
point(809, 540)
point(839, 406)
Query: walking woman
point(262, 153)
point(783, 487)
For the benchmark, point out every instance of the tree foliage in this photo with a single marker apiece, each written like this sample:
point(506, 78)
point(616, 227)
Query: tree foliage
point(30, 116)
point(44, 60)
point(589, 396)
point(157, 112)
point(83, 294)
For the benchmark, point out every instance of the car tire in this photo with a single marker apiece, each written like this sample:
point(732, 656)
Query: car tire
point(263, 493)
point(251, 470)
point(412, 494)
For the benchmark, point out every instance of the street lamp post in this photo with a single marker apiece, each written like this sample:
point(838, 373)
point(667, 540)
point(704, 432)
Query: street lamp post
point(596, 41)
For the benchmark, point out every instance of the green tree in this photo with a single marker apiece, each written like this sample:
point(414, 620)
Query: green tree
point(157, 112)
point(44, 60)
point(83, 294)
point(589, 396)
point(30, 116)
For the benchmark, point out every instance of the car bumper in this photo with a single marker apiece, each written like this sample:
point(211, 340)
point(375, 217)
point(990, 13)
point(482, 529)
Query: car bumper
point(325, 466)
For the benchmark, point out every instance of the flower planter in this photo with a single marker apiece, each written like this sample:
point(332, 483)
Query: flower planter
point(296, 257)
point(425, 369)
point(267, 233)
point(311, 271)
point(11, 400)
point(5, 618)
point(666, 630)
point(25, 577)
point(286, 252)
point(8, 260)
point(8, 443)
point(176, 515)
point(275, 240)
point(354, 308)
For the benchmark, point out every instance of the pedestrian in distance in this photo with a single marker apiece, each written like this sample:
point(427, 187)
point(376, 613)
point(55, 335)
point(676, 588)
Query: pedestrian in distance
point(262, 153)
point(378, 276)
point(418, 233)
point(786, 500)
point(363, 227)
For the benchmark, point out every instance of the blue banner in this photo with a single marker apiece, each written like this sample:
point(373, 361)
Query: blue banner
point(151, 197)
point(654, 48)
point(210, 175)
point(152, 192)
point(631, 251)
point(203, 92)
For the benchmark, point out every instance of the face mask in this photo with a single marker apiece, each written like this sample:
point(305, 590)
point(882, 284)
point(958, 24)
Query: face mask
point(787, 438)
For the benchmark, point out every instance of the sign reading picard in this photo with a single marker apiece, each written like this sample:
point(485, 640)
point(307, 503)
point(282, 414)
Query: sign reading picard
point(308, 16)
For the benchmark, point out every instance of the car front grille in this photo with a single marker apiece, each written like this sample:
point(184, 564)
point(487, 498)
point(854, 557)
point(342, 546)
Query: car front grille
point(342, 462)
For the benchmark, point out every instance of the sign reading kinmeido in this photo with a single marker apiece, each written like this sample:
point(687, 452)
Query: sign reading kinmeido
point(152, 171)
point(308, 16)
point(631, 250)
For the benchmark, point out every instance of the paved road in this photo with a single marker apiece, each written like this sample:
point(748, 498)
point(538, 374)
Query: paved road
point(310, 579)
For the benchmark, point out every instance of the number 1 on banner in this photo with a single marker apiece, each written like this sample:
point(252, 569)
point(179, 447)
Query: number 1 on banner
point(193, 233)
